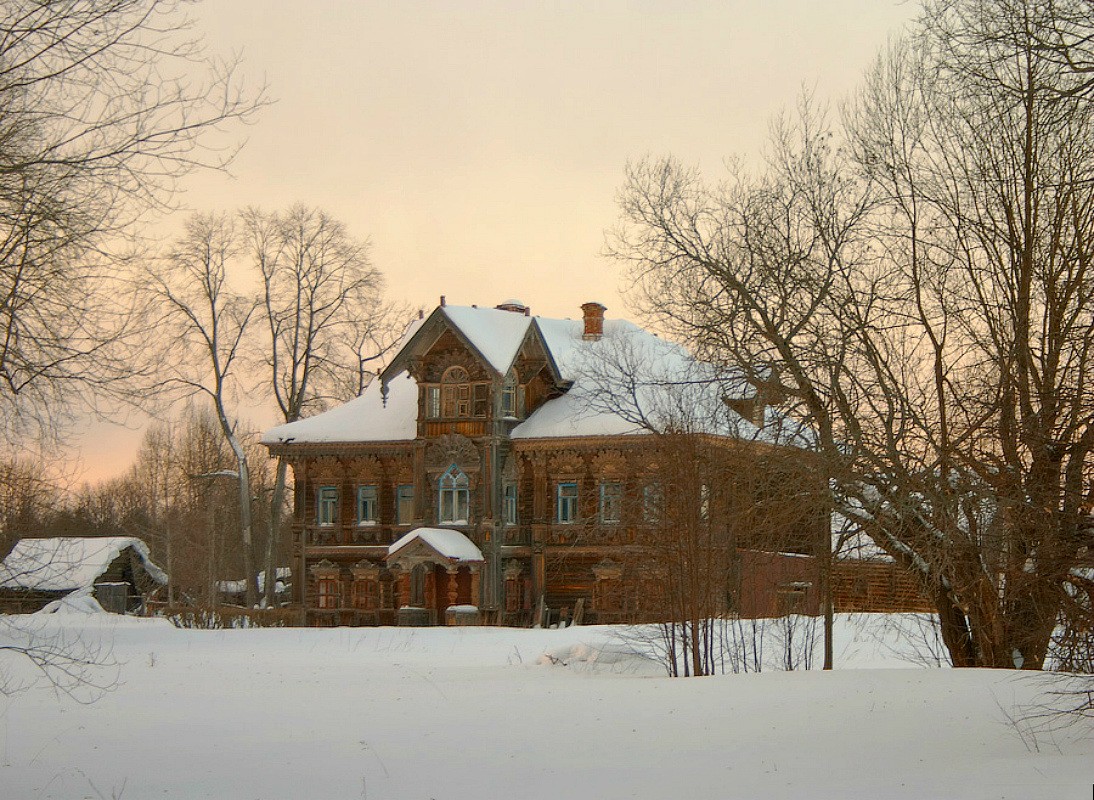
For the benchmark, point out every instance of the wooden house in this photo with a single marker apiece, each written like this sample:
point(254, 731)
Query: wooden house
point(506, 466)
point(115, 570)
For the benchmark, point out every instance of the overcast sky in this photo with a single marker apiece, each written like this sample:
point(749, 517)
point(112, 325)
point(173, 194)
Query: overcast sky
point(480, 145)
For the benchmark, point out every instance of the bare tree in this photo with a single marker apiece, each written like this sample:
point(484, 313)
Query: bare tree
point(322, 302)
point(24, 489)
point(919, 289)
point(725, 476)
point(103, 107)
point(208, 322)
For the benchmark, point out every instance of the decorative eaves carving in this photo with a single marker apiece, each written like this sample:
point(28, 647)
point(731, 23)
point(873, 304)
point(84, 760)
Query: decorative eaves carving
point(608, 570)
point(326, 468)
point(610, 462)
point(567, 462)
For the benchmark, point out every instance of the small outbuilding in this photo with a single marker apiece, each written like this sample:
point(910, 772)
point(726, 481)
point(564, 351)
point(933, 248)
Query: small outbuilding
point(116, 570)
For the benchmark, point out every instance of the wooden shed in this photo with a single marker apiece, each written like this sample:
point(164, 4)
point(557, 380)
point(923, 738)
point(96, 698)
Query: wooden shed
point(115, 570)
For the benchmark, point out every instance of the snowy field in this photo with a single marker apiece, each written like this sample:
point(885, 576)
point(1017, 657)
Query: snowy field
point(480, 713)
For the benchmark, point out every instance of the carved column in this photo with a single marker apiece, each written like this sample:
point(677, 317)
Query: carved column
point(402, 579)
point(431, 589)
point(475, 581)
point(453, 584)
point(540, 488)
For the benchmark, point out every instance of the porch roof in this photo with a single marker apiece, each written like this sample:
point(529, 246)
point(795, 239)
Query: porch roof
point(450, 545)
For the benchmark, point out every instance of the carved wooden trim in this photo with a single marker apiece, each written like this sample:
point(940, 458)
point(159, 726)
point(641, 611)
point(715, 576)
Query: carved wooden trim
point(401, 470)
point(452, 448)
point(435, 365)
point(567, 462)
point(326, 468)
point(365, 467)
point(610, 462)
point(325, 569)
point(365, 570)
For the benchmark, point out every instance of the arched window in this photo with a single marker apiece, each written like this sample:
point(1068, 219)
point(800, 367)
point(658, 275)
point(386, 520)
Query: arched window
point(455, 393)
point(454, 497)
point(457, 397)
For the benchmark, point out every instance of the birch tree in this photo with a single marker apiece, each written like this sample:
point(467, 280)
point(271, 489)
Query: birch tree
point(205, 322)
point(324, 316)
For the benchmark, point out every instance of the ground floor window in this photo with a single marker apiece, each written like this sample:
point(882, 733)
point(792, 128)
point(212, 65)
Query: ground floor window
point(328, 592)
point(608, 589)
point(364, 593)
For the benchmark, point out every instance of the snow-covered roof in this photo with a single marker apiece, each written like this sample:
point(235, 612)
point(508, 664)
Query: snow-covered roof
point(68, 563)
point(240, 586)
point(851, 543)
point(364, 419)
point(496, 334)
point(450, 544)
point(630, 381)
point(671, 387)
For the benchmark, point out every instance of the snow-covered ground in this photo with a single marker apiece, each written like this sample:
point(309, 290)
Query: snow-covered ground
point(450, 713)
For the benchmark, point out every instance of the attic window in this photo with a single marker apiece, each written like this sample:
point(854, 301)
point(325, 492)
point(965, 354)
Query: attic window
point(509, 396)
point(458, 396)
point(455, 393)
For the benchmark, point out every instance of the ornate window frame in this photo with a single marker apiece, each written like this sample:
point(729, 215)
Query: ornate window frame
point(326, 505)
point(566, 502)
point(453, 497)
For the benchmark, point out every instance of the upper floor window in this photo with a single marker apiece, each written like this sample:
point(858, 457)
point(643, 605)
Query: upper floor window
point(432, 402)
point(510, 504)
point(327, 505)
point(653, 502)
point(457, 396)
point(404, 504)
point(509, 396)
point(611, 501)
point(566, 507)
point(454, 497)
point(455, 393)
point(367, 507)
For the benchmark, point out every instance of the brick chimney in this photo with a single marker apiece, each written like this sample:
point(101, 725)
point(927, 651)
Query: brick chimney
point(593, 314)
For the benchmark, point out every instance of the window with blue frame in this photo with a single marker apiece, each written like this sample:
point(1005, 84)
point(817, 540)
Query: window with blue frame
point(454, 501)
point(327, 505)
point(611, 501)
point(367, 506)
point(510, 504)
point(566, 507)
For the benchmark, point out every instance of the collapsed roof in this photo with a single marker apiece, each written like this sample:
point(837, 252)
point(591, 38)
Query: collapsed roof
point(65, 564)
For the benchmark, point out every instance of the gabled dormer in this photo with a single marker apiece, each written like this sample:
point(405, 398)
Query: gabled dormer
point(478, 370)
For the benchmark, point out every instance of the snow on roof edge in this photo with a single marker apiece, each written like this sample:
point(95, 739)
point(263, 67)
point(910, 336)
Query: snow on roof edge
point(67, 563)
